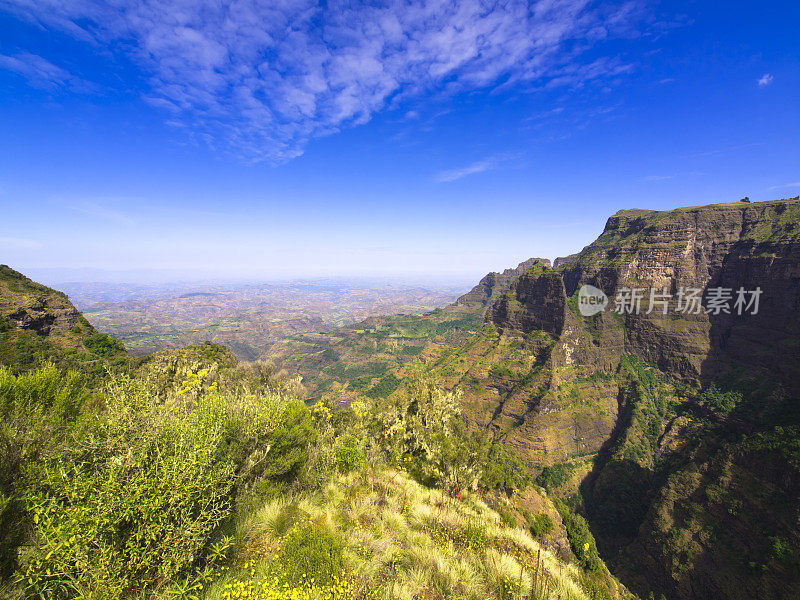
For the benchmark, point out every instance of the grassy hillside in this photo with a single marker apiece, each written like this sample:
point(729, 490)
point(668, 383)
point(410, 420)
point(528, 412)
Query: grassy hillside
point(38, 323)
point(370, 357)
point(199, 477)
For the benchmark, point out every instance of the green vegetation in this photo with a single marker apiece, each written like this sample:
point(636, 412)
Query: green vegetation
point(103, 345)
point(541, 525)
point(723, 401)
point(581, 539)
point(200, 477)
point(384, 387)
point(553, 477)
point(504, 470)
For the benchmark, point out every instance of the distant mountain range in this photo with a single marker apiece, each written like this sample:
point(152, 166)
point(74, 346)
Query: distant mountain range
point(246, 318)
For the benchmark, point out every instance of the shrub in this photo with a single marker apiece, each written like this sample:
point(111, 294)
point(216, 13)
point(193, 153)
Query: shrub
point(554, 476)
point(504, 470)
point(384, 387)
point(348, 455)
point(289, 443)
point(541, 525)
point(37, 410)
point(723, 401)
point(103, 345)
point(580, 538)
point(139, 506)
point(133, 500)
point(311, 551)
point(475, 536)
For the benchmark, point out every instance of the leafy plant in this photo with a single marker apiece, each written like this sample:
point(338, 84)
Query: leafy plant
point(311, 551)
point(541, 525)
point(348, 455)
point(504, 470)
point(103, 345)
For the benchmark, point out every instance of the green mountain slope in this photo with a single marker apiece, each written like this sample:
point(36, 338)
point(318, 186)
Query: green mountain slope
point(38, 323)
point(196, 476)
point(371, 357)
point(676, 434)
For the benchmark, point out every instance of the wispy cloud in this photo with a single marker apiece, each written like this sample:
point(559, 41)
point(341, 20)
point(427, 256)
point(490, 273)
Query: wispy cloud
point(104, 213)
point(794, 184)
point(264, 77)
point(480, 166)
point(15, 242)
point(765, 80)
point(43, 74)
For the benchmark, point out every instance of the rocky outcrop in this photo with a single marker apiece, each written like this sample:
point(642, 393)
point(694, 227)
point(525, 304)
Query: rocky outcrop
point(38, 323)
point(494, 284)
point(563, 260)
point(33, 307)
point(652, 418)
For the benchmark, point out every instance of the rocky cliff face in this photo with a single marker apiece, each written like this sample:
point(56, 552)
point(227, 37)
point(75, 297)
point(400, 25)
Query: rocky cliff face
point(38, 323)
point(675, 431)
point(33, 307)
point(494, 285)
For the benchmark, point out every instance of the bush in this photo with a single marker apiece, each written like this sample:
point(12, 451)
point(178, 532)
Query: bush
point(384, 388)
point(541, 525)
point(133, 495)
point(37, 410)
point(311, 551)
point(580, 538)
point(103, 345)
point(553, 477)
point(723, 401)
point(504, 470)
point(289, 444)
point(348, 455)
point(475, 536)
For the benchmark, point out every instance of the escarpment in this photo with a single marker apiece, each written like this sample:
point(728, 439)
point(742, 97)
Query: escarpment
point(670, 418)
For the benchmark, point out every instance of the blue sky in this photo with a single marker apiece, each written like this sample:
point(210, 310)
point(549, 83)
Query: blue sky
point(254, 139)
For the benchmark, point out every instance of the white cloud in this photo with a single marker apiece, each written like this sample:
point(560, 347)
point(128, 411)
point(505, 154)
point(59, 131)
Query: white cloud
point(15, 242)
point(43, 74)
point(794, 184)
point(765, 80)
point(477, 167)
point(262, 77)
point(657, 177)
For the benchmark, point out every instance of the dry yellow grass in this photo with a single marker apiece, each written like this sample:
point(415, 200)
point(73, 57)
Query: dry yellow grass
point(405, 541)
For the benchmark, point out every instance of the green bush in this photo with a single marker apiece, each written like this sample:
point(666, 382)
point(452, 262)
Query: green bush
point(37, 411)
point(580, 537)
point(289, 444)
point(348, 455)
point(103, 345)
point(723, 401)
point(554, 476)
point(504, 470)
point(475, 536)
point(311, 551)
point(541, 525)
point(121, 497)
point(384, 387)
